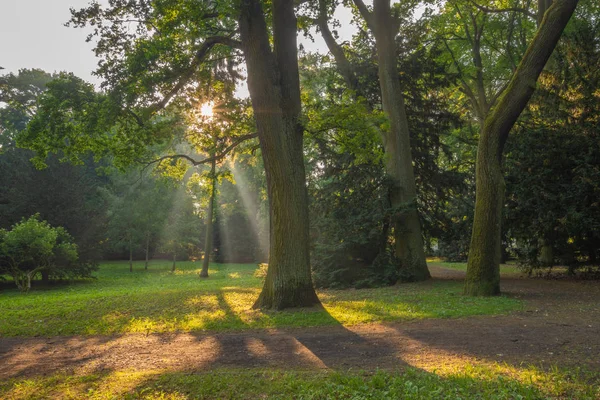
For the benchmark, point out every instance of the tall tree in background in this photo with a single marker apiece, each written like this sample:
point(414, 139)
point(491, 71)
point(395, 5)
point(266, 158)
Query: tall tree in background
point(384, 23)
point(483, 270)
point(209, 219)
point(62, 194)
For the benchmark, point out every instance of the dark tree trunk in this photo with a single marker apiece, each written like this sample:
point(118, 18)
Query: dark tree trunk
point(483, 269)
point(543, 6)
point(209, 222)
point(398, 159)
point(273, 83)
point(174, 260)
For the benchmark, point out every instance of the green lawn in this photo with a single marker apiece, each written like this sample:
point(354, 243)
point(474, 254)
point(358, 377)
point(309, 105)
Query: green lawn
point(470, 382)
point(505, 269)
point(160, 301)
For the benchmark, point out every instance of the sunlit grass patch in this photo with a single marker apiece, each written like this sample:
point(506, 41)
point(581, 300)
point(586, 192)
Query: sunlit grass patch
point(505, 269)
point(157, 300)
point(481, 382)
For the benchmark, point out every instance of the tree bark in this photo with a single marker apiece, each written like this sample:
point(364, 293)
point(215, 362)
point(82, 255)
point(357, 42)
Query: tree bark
point(398, 156)
point(174, 260)
point(398, 159)
point(273, 83)
point(209, 222)
point(483, 268)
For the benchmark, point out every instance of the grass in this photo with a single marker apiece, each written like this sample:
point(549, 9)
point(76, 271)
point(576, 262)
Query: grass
point(470, 382)
point(505, 269)
point(159, 301)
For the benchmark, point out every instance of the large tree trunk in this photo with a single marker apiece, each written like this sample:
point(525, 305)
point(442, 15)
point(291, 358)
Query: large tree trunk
point(209, 222)
point(483, 271)
point(273, 83)
point(398, 159)
point(483, 268)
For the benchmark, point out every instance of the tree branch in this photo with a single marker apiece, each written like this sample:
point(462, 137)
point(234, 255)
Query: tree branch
point(200, 56)
point(364, 11)
point(217, 157)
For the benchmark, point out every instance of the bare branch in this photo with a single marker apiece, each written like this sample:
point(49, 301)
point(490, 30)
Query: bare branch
point(235, 142)
point(465, 88)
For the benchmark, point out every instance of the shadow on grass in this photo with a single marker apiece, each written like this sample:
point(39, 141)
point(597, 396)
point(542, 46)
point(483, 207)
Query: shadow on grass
point(233, 383)
point(276, 362)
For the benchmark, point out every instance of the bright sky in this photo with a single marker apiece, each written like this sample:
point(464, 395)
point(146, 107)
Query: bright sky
point(33, 35)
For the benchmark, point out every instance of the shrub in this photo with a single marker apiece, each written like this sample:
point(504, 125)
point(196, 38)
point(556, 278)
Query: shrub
point(33, 246)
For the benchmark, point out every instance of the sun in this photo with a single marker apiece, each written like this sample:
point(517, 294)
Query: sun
point(206, 110)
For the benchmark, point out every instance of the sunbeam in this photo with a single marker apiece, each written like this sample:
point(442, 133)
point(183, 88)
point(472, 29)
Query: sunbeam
point(257, 218)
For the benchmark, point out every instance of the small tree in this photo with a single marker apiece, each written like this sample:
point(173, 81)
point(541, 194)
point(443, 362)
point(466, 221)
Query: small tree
point(181, 230)
point(32, 246)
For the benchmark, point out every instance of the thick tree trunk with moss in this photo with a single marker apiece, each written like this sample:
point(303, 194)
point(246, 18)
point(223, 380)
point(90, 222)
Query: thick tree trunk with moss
point(209, 222)
point(483, 269)
point(273, 83)
point(486, 239)
point(398, 157)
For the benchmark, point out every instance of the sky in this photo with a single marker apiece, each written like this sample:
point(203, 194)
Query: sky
point(33, 35)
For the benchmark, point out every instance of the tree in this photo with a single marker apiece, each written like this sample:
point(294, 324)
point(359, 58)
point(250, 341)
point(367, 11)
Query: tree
point(273, 82)
point(396, 138)
point(32, 246)
point(553, 155)
point(125, 219)
point(181, 231)
point(160, 64)
point(350, 206)
point(209, 220)
point(483, 270)
point(62, 194)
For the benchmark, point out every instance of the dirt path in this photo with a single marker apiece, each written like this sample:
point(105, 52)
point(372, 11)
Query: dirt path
point(559, 325)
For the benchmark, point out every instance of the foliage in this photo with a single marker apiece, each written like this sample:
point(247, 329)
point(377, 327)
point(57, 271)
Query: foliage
point(351, 212)
point(32, 246)
point(553, 162)
point(18, 94)
point(160, 301)
point(62, 194)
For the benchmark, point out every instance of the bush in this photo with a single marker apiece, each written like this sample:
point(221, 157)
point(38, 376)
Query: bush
point(33, 246)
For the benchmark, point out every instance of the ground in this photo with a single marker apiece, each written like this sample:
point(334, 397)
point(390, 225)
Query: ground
point(557, 328)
